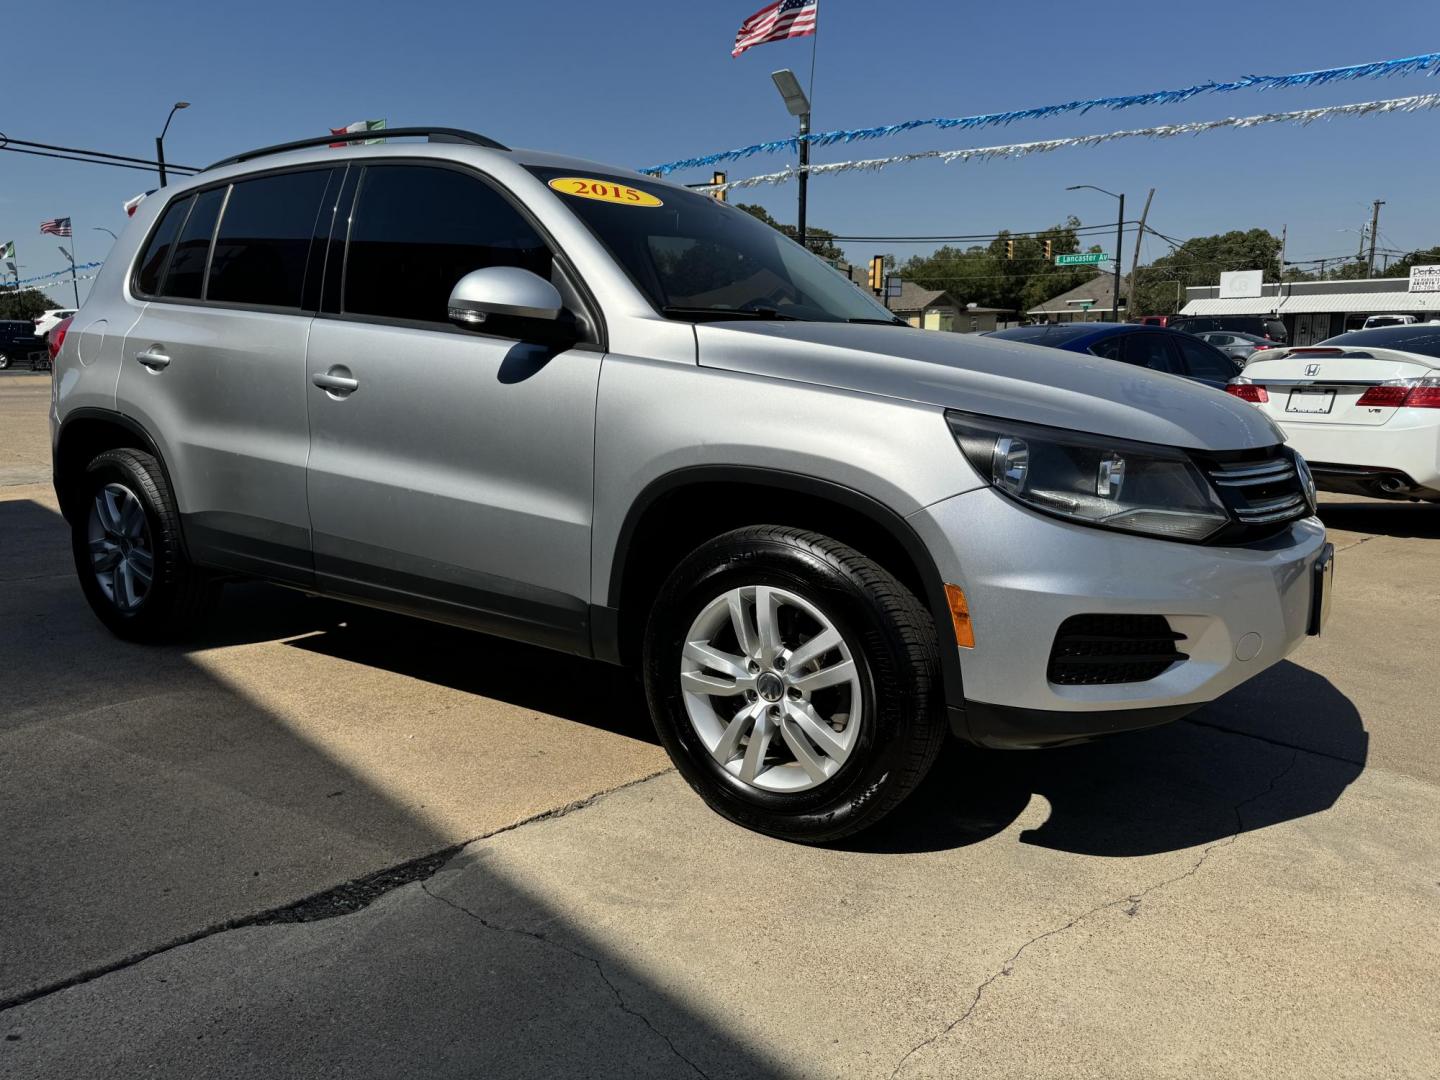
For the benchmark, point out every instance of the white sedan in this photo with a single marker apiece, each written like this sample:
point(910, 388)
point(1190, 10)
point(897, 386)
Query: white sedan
point(1362, 408)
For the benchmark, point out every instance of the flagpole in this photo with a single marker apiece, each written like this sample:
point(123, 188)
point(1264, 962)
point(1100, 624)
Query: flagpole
point(804, 177)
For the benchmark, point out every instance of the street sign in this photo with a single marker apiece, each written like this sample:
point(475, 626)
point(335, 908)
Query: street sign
point(1086, 305)
point(1088, 258)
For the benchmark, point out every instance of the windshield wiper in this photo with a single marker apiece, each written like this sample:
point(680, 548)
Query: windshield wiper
point(717, 314)
point(881, 322)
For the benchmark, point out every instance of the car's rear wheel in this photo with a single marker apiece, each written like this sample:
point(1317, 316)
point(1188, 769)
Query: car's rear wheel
point(125, 536)
point(793, 682)
point(4, 361)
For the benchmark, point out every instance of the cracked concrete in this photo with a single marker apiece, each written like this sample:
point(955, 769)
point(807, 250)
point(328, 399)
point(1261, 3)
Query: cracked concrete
point(620, 1001)
point(1132, 909)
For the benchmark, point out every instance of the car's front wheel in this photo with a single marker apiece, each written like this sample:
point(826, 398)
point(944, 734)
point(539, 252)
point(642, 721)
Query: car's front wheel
point(793, 682)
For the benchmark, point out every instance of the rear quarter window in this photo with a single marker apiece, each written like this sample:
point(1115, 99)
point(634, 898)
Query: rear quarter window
point(151, 268)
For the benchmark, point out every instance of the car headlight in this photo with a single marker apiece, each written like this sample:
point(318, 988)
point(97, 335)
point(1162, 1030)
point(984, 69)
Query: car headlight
point(1092, 480)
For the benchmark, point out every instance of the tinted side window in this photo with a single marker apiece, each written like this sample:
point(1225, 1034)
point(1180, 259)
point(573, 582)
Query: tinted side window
point(1149, 350)
point(152, 262)
point(187, 266)
point(264, 239)
point(1111, 348)
point(1204, 362)
point(417, 230)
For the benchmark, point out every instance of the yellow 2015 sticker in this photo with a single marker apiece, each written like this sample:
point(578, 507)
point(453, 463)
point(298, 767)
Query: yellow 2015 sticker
point(603, 190)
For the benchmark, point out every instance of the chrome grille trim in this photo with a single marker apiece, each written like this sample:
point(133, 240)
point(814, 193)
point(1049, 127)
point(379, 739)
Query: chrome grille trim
point(1261, 493)
point(1263, 474)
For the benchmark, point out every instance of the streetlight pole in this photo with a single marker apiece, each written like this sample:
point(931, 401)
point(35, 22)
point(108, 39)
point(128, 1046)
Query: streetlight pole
point(798, 105)
point(74, 281)
point(1119, 235)
point(101, 228)
point(160, 141)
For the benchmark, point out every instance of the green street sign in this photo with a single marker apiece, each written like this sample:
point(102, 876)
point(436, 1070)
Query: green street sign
point(1089, 258)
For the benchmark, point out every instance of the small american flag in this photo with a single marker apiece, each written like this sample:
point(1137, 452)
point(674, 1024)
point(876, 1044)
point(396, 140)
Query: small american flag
point(783, 19)
point(59, 226)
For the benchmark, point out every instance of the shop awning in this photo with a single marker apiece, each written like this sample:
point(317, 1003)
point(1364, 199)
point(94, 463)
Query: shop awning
point(1368, 302)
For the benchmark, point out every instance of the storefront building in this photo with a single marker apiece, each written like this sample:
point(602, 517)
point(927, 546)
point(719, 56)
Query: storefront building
point(1315, 310)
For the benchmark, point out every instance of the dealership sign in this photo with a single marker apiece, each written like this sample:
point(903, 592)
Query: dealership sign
point(1425, 279)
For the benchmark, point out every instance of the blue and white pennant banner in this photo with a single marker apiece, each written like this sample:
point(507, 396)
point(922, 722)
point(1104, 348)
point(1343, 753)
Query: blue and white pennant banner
point(1426, 63)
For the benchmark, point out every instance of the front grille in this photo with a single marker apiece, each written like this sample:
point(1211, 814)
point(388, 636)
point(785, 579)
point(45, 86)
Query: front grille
point(1096, 650)
point(1262, 494)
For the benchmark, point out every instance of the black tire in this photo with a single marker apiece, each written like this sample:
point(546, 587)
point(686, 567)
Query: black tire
point(891, 637)
point(179, 595)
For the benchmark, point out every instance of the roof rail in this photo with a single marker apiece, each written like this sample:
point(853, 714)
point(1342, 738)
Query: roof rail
point(432, 134)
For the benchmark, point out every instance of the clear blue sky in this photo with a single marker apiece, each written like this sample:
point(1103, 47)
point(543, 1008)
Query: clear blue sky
point(637, 84)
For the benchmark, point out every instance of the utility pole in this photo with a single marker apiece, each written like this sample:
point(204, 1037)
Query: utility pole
point(1374, 230)
point(1135, 261)
point(1119, 239)
point(1283, 230)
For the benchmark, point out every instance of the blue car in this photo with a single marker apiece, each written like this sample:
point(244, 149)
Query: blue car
point(1132, 343)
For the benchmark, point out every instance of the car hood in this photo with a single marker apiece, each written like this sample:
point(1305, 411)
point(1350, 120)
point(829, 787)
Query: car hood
point(991, 377)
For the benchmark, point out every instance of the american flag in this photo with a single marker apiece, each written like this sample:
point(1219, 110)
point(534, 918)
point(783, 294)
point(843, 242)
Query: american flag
point(58, 226)
point(783, 19)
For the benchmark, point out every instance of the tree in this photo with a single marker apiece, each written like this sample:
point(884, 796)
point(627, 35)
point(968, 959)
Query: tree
point(983, 274)
point(819, 241)
point(1160, 286)
point(25, 304)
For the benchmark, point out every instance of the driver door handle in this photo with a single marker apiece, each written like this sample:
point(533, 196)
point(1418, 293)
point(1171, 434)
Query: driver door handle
point(326, 381)
point(153, 358)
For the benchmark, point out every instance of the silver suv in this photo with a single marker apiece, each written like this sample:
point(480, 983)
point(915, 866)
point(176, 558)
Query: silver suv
point(576, 406)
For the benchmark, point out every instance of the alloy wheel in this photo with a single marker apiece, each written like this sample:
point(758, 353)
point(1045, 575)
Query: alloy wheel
point(771, 688)
point(121, 554)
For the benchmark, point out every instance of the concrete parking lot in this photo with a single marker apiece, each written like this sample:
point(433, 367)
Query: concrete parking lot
point(325, 841)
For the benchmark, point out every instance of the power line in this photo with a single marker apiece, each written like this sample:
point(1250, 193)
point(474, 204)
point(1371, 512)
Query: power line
point(81, 160)
point(89, 157)
point(1007, 235)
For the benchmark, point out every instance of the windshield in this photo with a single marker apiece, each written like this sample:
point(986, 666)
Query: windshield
point(1422, 338)
point(696, 258)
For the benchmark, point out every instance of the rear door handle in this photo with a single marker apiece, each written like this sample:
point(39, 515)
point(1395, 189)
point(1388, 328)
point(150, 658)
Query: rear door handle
point(153, 358)
point(337, 383)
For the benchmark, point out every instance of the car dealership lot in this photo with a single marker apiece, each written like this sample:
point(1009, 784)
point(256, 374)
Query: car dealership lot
point(1244, 893)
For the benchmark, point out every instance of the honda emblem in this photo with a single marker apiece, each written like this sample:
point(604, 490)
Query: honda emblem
point(1312, 369)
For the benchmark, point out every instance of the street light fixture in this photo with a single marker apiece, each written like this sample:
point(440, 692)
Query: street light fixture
point(101, 228)
point(1119, 235)
point(160, 139)
point(798, 105)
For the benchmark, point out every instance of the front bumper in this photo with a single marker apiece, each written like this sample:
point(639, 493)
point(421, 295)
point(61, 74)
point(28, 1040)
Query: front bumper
point(1024, 573)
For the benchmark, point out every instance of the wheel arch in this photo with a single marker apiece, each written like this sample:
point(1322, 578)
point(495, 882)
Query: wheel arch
point(88, 431)
point(677, 512)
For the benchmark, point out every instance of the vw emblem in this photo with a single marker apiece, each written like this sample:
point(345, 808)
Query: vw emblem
point(1312, 369)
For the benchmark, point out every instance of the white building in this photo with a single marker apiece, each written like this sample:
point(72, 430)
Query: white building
point(1315, 310)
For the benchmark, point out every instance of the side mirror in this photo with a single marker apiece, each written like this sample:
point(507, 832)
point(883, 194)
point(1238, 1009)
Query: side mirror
point(503, 290)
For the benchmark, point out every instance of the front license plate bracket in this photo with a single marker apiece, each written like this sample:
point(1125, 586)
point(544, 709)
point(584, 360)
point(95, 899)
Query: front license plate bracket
point(1322, 590)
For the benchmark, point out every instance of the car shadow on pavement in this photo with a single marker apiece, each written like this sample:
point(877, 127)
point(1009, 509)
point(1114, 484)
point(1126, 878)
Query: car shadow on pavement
point(582, 691)
point(158, 811)
point(1380, 518)
point(1283, 746)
